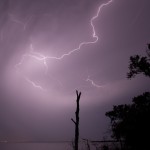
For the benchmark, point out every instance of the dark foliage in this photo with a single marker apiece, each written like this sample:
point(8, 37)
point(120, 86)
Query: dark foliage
point(139, 65)
point(131, 123)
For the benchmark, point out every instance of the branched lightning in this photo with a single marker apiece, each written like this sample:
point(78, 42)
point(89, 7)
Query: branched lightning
point(93, 83)
point(12, 17)
point(34, 84)
point(41, 57)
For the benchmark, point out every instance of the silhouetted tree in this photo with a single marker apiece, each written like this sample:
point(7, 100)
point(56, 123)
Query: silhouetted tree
point(131, 123)
point(139, 64)
point(77, 121)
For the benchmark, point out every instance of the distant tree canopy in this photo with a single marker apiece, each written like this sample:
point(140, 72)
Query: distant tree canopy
point(139, 65)
point(131, 123)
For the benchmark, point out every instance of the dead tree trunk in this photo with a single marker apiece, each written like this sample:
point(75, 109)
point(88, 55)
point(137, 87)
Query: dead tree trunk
point(77, 121)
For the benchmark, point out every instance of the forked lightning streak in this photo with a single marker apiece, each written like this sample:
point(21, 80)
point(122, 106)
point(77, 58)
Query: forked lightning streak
point(40, 57)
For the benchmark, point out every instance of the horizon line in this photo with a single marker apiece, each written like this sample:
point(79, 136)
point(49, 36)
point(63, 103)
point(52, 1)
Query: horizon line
point(53, 141)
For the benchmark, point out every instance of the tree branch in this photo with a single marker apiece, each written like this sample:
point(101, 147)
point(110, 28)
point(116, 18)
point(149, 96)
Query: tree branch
point(73, 121)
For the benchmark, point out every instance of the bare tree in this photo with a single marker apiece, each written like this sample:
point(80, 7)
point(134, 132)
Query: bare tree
point(76, 122)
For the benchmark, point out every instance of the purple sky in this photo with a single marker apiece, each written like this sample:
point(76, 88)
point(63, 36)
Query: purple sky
point(37, 97)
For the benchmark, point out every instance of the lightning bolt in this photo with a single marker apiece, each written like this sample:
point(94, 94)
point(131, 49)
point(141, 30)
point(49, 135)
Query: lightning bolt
point(41, 57)
point(34, 84)
point(13, 18)
point(36, 56)
point(93, 83)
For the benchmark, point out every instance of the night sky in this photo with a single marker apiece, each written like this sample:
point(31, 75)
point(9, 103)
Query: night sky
point(42, 63)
